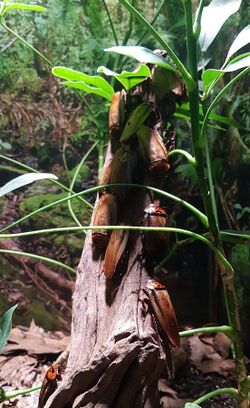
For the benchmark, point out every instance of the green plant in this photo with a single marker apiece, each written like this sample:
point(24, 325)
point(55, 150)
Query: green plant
point(200, 34)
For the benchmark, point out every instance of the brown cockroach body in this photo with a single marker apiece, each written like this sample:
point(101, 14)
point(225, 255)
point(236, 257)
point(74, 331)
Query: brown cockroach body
point(153, 150)
point(114, 252)
point(105, 214)
point(155, 243)
point(116, 119)
point(122, 167)
point(49, 384)
point(164, 310)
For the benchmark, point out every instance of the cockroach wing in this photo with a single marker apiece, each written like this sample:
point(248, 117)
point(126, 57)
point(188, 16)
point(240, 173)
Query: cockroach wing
point(164, 311)
point(105, 213)
point(122, 167)
point(155, 243)
point(49, 384)
point(115, 249)
point(116, 119)
point(153, 150)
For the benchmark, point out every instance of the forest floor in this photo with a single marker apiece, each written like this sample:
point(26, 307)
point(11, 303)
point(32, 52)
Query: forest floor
point(201, 364)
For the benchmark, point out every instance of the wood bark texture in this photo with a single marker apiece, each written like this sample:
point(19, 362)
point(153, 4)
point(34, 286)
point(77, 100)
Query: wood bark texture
point(116, 355)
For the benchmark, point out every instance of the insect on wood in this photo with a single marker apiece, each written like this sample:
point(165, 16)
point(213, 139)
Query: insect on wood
point(114, 251)
point(105, 214)
point(155, 243)
point(164, 310)
point(153, 150)
point(49, 384)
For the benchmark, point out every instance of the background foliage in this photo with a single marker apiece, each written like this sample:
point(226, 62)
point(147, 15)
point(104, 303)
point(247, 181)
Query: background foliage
point(50, 128)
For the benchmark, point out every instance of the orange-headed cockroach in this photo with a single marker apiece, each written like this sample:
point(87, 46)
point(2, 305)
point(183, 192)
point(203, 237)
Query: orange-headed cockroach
point(164, 310)
point(115, 249)
point(49, 384)
point(155, 242)
point(105, 213)
point(153, 150)
point(122, 167)
point(105, 178)
point(116, 119)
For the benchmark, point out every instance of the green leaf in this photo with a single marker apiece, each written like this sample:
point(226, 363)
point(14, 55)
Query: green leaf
point(184, 112)
point(240, 41)
point(126, 78)
point(191, 405)
point(211, 76)
point(135, 121)
point(31, 7)
point(212, 19)
point(90, 84)
point(142, 54)
point(23, 180)
point(88, 89)
point(6, 326)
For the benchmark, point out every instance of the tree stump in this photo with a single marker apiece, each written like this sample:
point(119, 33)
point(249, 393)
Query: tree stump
point(117, 355)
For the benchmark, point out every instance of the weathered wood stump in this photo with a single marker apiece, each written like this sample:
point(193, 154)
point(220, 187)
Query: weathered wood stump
point(116, 355)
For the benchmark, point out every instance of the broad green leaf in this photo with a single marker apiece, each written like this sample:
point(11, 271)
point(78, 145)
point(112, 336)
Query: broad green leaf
point(211, 76)
point(126, 78)
point(31, 7)
point(82, 81)
point(135, 121)
point(88, 89)
point(212, 19)
point(191, 405)
point(240, 41)
point(23, 180)
point(142, 54)
point(6, 325)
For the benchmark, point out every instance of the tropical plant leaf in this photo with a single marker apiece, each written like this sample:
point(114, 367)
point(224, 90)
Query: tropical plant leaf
point(31, 7)
point(90, 84)
point(23, 180)
point(126, 78)
point(211, 76)
point(212, 19)
point(88, 89)
point(191, 405)
point(135, 121)
point(242, 39)
point(185, 112)
point(142, 54)
point(6, 325)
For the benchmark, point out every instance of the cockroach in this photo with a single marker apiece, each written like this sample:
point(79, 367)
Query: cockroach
point(116, 119)
point(105, 213)
point(164, 310)
point(155, 242)
point(153, 150)
point(49, 384)
point(115, 250)
point(122, 167)
point(105, 178)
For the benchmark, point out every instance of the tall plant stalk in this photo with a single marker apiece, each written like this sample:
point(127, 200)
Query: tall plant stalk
point(199, 142)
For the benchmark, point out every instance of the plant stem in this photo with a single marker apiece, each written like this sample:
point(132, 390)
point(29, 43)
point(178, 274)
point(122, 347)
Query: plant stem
point(39, 257)
point(186, 75)
point(26, 43)
point(13, 394)
point(230, 391)
point(198, 139)
point(28, 168)
point(227, 330)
